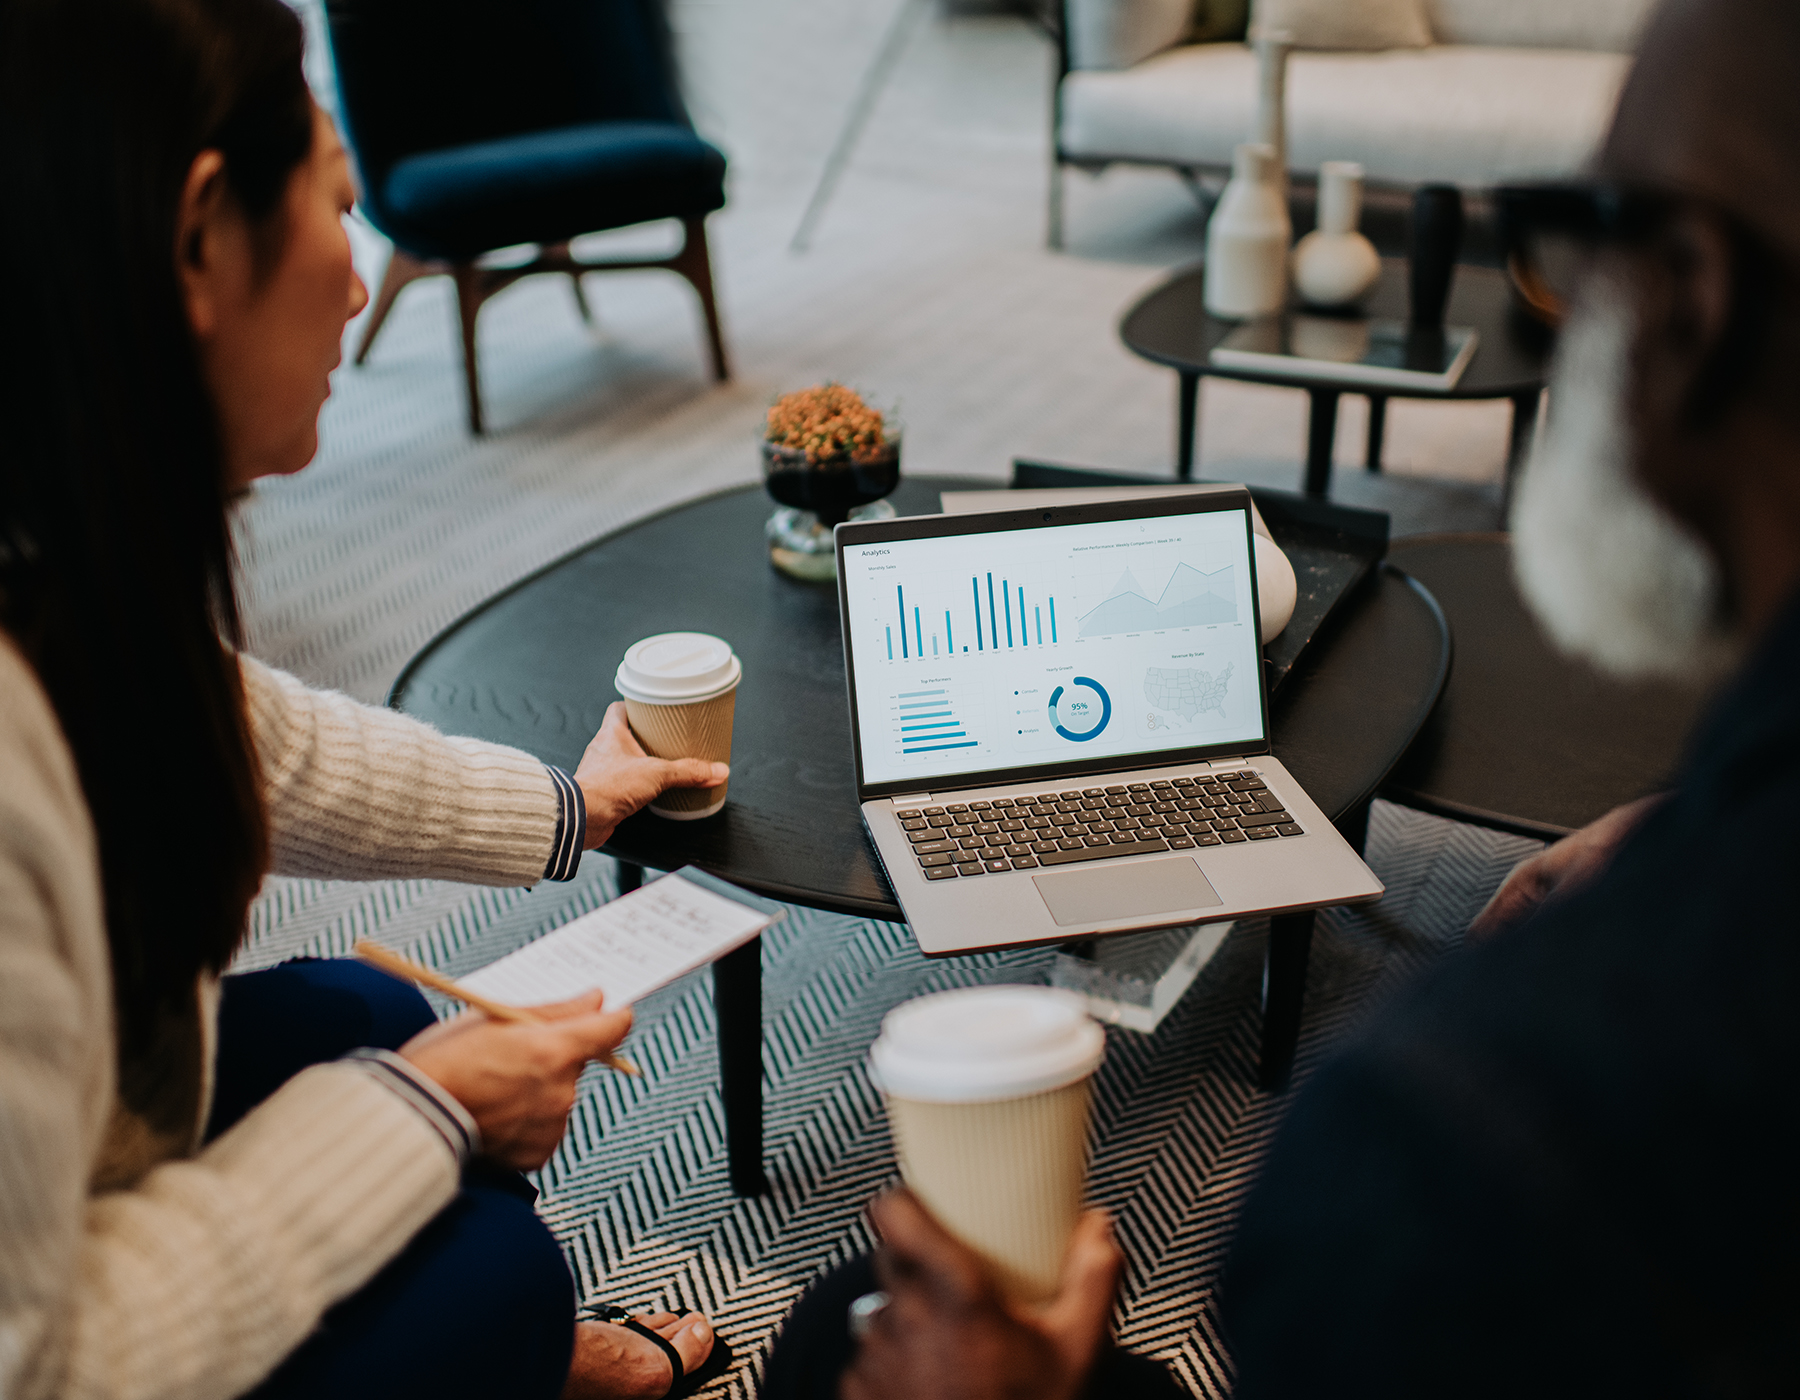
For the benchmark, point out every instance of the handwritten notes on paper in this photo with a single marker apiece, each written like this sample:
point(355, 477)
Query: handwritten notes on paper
point(628, 948)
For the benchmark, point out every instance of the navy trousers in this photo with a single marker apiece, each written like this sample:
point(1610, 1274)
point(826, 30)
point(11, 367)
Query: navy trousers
point(481, 1303)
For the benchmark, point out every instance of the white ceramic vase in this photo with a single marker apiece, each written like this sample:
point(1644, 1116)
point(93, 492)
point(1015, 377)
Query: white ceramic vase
point(1335, 264)
point(1247, 239)
point(1272, 49)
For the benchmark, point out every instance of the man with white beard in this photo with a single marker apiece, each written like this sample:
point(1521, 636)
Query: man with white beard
point(1567, 1162)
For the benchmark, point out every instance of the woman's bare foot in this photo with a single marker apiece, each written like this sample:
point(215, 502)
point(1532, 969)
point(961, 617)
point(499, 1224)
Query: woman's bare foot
point(614, 1363)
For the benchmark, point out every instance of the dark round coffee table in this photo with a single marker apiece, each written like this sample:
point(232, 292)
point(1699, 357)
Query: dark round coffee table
point(534, 668)
point(1170, 326)
point(1526, 740)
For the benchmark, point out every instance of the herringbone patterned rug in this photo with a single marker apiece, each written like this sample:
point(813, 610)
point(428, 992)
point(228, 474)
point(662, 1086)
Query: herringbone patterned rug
point(638, 1191)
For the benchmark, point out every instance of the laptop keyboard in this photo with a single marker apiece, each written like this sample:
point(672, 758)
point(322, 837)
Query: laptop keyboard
point(1097, 823)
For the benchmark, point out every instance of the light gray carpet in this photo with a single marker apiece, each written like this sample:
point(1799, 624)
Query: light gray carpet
point(927, 284)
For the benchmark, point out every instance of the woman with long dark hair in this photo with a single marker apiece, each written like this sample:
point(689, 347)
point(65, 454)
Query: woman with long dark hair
point(294, 1182)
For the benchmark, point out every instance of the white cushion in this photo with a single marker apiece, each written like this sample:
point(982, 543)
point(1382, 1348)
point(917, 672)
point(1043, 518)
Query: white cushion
point(1106, 34)
point(1470, 116)
point(1346, 24)
point(1610, 26)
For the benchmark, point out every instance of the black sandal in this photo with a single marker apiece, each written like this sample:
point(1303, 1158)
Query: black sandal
point(717, 1360)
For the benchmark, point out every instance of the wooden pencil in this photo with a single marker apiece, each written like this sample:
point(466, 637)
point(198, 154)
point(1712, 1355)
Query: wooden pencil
point(392, 963)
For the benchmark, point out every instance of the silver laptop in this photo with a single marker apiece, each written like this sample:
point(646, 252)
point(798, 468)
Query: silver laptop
point(1062, 724)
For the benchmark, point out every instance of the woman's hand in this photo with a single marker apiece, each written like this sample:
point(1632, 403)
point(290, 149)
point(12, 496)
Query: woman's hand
point(1561, 869)
point(517, 1080)
point(617, 777)
point(948, 1334)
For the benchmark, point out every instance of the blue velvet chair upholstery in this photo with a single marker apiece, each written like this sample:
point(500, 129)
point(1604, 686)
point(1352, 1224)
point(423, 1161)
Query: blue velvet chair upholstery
point(476, 127)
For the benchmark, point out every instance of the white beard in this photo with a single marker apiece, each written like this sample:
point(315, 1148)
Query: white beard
point(1612, 576)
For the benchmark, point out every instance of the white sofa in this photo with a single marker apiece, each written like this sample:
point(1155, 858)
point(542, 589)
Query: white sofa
point(1512, 90)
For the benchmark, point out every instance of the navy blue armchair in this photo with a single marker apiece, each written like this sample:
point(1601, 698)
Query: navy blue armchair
point(477, 126)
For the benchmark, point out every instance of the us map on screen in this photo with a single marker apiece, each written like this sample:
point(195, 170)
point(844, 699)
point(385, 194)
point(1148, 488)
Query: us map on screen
point(1012, 648)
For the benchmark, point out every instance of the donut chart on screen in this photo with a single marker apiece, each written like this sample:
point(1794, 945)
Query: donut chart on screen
point(1079, 712)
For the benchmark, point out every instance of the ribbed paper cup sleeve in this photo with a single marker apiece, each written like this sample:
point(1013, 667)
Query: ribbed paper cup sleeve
point(699, 730)
point(1005, 1178)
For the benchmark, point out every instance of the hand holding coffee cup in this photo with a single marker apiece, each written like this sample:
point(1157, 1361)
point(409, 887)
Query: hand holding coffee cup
point(680, 692)
point(618, 778)
point(940, 1327)
point(988, 1090)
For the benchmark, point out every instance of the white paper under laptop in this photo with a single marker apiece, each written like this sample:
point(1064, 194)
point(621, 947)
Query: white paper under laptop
point(1006, 498)
point(1101, 653)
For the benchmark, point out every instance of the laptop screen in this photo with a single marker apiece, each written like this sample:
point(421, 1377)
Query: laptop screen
point(1044, 646)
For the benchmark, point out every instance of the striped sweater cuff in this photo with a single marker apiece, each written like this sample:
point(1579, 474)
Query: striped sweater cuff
point(571, 827)
point(448, 1118)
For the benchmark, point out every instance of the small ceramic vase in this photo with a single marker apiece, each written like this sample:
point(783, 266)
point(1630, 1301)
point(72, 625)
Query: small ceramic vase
point(1272, 49)
point(1334, 264)
point(1247, 240)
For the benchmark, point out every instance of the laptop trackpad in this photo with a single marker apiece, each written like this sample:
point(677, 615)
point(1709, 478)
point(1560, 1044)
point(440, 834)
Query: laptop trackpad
point(1126, 891)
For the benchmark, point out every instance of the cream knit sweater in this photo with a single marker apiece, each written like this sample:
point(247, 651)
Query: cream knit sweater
point(133, 1263)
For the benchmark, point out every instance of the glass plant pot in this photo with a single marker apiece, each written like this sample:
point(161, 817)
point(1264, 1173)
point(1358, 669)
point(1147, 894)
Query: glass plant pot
point(816, 494)
point(800, 544)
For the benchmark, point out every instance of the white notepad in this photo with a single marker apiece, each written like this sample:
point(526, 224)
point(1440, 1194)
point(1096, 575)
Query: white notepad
point(632, 946)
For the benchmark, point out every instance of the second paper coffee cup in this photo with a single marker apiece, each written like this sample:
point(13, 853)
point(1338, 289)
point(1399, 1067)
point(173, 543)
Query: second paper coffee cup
point(680, 692)
point(987, 1090)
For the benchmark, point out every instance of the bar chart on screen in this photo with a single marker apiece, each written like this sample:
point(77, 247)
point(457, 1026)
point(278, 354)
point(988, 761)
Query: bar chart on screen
point(998, 613)
point(926, 722)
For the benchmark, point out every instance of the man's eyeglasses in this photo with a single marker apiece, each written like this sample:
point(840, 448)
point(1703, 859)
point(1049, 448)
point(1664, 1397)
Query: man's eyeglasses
point(1550, 233)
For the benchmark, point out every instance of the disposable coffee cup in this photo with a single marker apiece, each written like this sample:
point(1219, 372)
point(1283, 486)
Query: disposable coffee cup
point(987, 1091)
point(680, 690)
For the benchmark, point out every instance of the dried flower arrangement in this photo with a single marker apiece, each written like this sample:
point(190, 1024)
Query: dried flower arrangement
point(827, 421)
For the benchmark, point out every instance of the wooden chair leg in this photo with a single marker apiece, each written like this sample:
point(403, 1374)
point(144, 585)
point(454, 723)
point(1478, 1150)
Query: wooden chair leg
point(558, 254)
point(402, 268)
point(469, 295)
point(694, 264)
point(581, 301)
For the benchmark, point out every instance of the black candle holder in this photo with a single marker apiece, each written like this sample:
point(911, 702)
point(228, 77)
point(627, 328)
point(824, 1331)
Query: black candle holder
point(1437, 235)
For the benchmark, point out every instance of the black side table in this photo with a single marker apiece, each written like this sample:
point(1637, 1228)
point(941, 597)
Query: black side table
point(1171, 327)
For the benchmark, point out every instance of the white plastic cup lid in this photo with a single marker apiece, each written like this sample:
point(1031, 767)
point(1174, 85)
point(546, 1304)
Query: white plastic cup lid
point(678, 668)
point(984, 1044)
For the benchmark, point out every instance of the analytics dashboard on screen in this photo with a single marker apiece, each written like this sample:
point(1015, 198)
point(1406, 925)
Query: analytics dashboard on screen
point(1005, 649)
